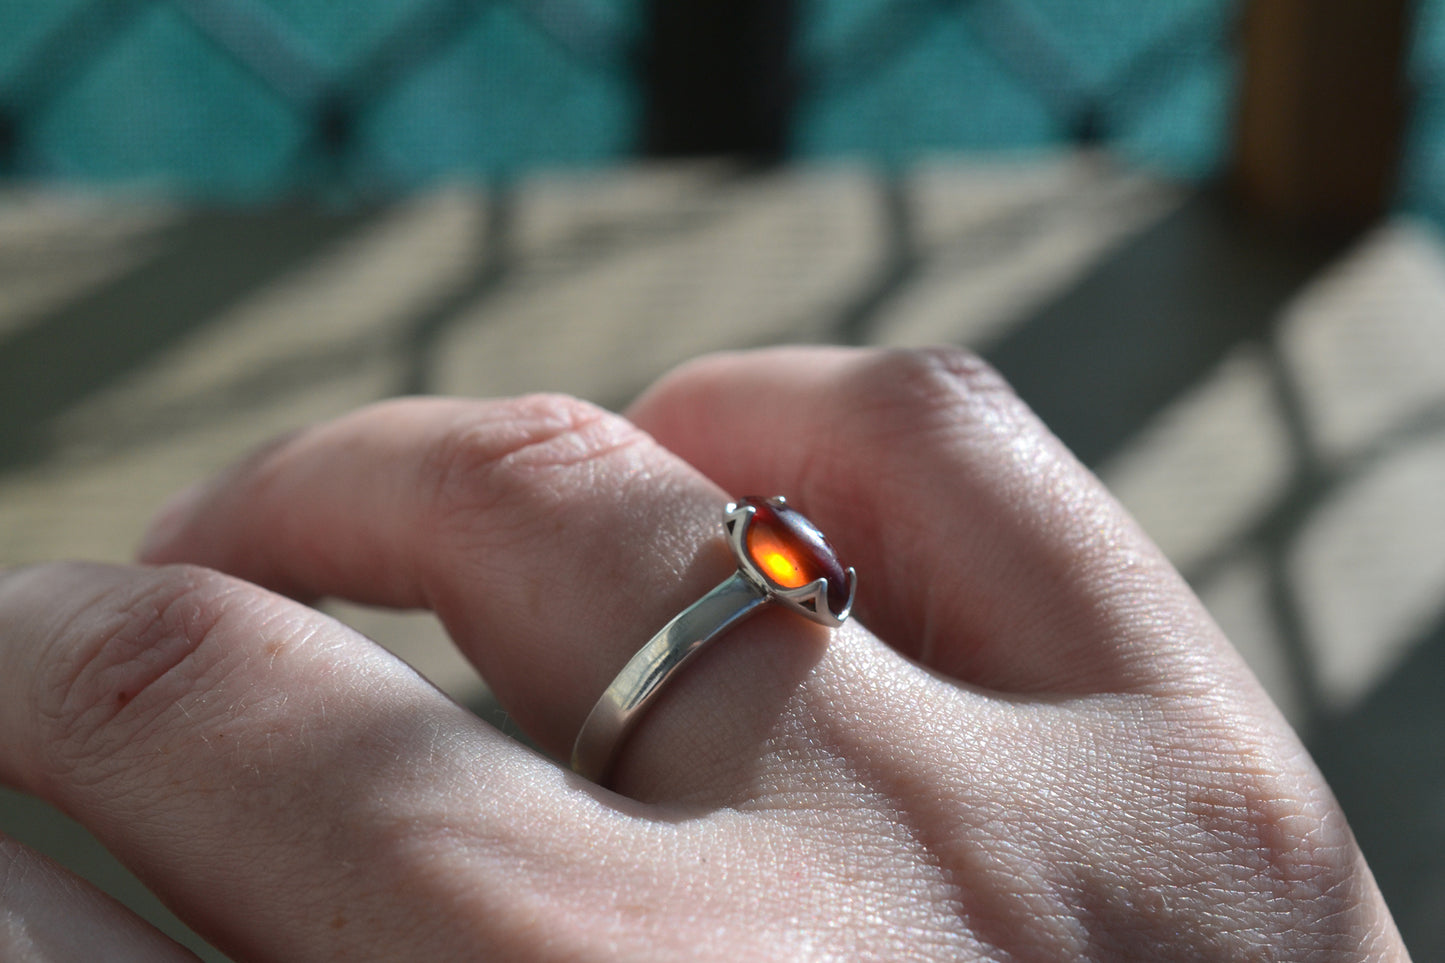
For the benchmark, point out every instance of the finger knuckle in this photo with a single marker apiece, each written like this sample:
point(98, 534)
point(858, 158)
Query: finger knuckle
point(131, 655)
point(1248, 808)
point(927, 387)
point(535, 447)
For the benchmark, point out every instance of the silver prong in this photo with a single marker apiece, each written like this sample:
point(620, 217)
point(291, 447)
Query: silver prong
point(815, 592)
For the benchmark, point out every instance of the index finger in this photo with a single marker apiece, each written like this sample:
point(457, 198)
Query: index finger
point(285, 785)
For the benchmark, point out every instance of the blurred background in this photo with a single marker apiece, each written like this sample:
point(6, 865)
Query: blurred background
point(1201, 237)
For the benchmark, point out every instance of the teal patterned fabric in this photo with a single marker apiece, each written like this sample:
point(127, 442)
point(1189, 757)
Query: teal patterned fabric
point(1422, 179)
point(254, 99)
point(233, 99)
point(893, 80)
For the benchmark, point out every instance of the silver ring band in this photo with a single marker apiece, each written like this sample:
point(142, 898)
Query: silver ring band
point(776, 563)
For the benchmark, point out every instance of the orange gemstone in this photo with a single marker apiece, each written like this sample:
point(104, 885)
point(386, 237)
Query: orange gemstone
point(787, 549)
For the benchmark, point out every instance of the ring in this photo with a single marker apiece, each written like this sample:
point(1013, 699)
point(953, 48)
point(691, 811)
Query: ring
point(781, 558)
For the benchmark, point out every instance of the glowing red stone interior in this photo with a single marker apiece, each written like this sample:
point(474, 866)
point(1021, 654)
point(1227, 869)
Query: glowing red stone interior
point(789, 550)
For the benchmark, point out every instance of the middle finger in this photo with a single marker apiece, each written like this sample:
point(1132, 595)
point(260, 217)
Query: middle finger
point(551, 537)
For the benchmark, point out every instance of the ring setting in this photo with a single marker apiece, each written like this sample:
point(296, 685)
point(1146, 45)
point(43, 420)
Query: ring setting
point(786, 556)
point(781, 557)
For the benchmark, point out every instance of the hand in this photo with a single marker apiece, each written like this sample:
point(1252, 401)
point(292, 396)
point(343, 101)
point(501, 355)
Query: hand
point(1031, 742)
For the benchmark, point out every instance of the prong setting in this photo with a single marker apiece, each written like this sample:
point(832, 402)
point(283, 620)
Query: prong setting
point(810, 600)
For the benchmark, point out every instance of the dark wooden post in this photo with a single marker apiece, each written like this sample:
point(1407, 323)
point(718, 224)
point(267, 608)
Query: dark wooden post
point(1322, 113)
point(719, 78)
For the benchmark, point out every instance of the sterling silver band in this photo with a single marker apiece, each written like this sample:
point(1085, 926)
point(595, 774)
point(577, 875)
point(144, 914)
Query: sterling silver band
point(734, 599)
point(612, 718)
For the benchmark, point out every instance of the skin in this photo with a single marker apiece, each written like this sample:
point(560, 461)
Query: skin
point(1031, 743)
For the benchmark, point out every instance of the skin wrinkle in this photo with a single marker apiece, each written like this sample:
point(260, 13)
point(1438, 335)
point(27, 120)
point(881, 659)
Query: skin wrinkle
point(1131, 877)
point(963, 902)
point(1040, 819)
point(950, 402)
point(907, 401)
point(863, 850)
point(547, 433)
point(881, 792)
point(552, 447)
point(1085, 832)
point(454, 474)
point(241, 727)
point(816, 785)
point(1231, 823)
point(610, 898)
point(265, 788)
point(404, 829)
point(971, 394)
point(89, 702)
